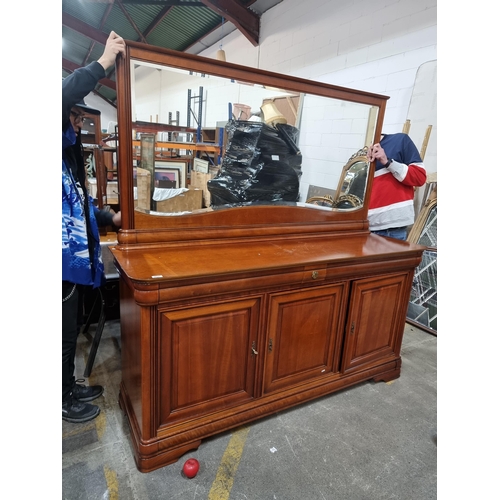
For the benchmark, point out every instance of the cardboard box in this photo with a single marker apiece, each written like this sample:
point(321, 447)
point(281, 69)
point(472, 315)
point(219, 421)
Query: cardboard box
point(185, 202)
point(199, 181)
point(142, 194)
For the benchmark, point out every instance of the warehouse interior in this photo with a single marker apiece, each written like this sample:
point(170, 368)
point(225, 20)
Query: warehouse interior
point(370, 440)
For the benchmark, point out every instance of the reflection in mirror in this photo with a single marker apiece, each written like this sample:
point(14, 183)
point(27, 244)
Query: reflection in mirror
point(318, 134)
point(261, 163)
point(321, 201)
point(352, 185)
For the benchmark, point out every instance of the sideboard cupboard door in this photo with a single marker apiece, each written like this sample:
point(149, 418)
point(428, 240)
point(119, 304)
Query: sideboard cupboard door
point(375, 320)
point(207, 358)
point(304, 335)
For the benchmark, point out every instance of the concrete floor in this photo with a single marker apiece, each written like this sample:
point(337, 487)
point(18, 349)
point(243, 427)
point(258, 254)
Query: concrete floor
point(369, 442)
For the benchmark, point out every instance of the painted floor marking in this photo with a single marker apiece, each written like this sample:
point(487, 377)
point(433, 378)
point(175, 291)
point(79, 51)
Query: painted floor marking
point(223, 483)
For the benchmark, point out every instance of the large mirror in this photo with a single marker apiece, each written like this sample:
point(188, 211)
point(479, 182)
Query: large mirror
point(254, 137)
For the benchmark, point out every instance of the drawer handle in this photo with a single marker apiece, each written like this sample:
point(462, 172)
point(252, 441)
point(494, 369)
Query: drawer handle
point(315, 274)
point(254, 352)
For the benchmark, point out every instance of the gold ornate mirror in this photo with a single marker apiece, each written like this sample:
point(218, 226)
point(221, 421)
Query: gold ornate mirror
point(353, 181)
point(351, 191)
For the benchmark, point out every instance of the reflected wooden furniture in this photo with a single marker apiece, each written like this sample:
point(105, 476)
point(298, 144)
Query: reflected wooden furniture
point(162, 129)
point(192, 146)
point(91, 145)
point(232, 314)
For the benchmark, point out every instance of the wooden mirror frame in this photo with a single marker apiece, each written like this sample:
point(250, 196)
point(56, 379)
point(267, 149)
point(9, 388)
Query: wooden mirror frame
point(279, 215)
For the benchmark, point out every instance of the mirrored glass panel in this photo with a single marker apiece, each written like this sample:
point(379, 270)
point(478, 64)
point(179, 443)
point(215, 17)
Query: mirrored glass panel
point(260, 144)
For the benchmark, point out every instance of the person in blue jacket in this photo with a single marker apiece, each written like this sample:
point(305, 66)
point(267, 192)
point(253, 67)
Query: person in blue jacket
point(82, 263)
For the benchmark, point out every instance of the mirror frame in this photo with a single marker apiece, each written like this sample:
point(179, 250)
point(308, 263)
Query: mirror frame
point(333, 201)
point(359, 157)
point(137, 51)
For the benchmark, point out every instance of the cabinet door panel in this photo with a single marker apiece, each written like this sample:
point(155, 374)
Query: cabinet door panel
point(303, 335)
point(206, 359)
point(374, 320)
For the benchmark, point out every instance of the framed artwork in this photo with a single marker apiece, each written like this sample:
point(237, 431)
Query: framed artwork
point(167, 178)
point(167, 172)
point(200, 165)
point(422, 309)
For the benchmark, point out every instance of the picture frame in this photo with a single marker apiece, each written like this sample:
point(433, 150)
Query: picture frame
point(200, 165)
point(173, 170)
point(167, 178)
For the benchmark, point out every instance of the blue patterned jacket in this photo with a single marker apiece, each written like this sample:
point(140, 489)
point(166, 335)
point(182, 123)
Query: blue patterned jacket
point(81, 251)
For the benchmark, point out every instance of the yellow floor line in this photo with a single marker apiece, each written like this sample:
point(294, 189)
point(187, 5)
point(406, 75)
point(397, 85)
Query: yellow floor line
point(112, 482)
point(223, 483)
point(100, 424)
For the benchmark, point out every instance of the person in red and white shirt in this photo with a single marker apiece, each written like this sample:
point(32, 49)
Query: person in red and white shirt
point(399, 169)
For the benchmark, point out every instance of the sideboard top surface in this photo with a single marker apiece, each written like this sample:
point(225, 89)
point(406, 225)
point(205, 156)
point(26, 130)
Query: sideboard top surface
point(160, 263)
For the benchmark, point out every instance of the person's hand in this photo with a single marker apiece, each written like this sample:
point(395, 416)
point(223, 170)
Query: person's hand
point(115, 45)
point(117, 219)
point(376, 152)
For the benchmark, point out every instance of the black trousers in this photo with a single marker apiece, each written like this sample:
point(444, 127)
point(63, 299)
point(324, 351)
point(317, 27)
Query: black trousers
point(71, 321)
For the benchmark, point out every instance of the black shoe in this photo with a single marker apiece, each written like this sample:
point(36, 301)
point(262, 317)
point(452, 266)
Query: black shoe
point(77, 412)
point(87, 392)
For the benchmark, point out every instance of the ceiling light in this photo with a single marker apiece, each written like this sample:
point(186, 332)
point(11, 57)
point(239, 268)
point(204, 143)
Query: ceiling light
point(220, 54)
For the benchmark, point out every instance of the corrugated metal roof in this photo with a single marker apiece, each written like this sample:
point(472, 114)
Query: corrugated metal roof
point(174, 24)
point(183, 27)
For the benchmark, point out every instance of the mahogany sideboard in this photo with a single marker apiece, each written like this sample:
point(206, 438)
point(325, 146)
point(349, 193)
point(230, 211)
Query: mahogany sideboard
point(229, 314)
point(219, 331)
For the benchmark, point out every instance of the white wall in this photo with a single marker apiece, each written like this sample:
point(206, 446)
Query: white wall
point(371, 45)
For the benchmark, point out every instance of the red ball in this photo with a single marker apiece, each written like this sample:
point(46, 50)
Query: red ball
point(191, 467)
